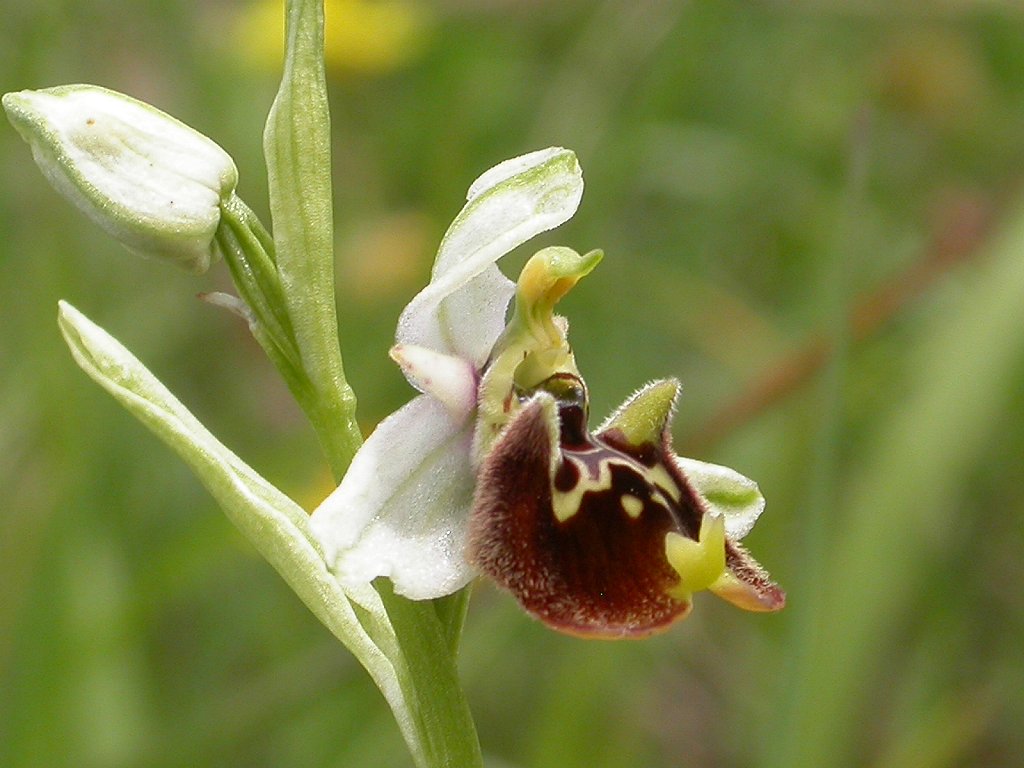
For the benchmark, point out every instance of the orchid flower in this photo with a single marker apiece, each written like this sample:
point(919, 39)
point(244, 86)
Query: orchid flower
point(402, 508)
point(492, 468)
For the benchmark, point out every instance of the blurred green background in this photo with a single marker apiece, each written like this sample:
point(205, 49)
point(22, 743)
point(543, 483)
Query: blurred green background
point(813, 214)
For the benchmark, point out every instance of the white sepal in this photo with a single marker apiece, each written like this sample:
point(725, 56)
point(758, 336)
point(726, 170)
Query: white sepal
point(726, 492)
point(507, 205)
point(401, 510)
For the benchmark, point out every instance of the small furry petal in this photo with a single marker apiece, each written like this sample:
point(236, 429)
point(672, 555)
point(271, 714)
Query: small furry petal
point(451, 380)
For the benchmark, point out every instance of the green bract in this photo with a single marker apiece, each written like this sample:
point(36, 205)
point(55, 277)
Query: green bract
point(152, 182)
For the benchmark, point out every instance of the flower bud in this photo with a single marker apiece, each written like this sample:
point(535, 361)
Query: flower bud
point(150, 181)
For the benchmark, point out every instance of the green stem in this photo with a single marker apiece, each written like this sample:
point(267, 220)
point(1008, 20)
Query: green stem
point(451, 612)
point(448, 734)
point(297, 149)
point(250, 255)
point(297, 145)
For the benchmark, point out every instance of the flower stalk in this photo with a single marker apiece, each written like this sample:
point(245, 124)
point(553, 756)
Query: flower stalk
point(297, 147)
point(439, 727)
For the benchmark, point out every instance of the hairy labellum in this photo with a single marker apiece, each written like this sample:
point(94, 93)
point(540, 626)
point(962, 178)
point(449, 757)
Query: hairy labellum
point(602, 534)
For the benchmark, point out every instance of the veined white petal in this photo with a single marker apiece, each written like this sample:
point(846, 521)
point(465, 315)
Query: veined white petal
point(401, 510)
point(736, 497)
point(506, 206)
point(451, 380)
point(548, 180)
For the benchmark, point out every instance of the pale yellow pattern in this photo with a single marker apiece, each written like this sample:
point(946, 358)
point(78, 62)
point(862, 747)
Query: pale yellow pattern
point(631, 505)
point(567, 504)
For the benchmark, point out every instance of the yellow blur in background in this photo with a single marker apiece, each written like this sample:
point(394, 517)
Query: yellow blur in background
point(360, 36)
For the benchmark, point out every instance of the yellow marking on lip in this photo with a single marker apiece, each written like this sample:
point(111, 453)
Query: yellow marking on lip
point(631, 505)
point(659, 476)
point(566, 504)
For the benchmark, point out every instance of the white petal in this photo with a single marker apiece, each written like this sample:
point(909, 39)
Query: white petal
point(506, 206)
point(451, 380)
point(736, 497)
point(401, 510)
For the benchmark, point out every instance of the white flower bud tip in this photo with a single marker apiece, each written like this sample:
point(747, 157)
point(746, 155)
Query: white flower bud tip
point(150, 181)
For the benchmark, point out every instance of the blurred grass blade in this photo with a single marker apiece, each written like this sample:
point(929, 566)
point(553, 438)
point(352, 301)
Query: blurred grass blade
point(297, 146)
point(904, 502)
point(275, 525)
point(943, 735)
